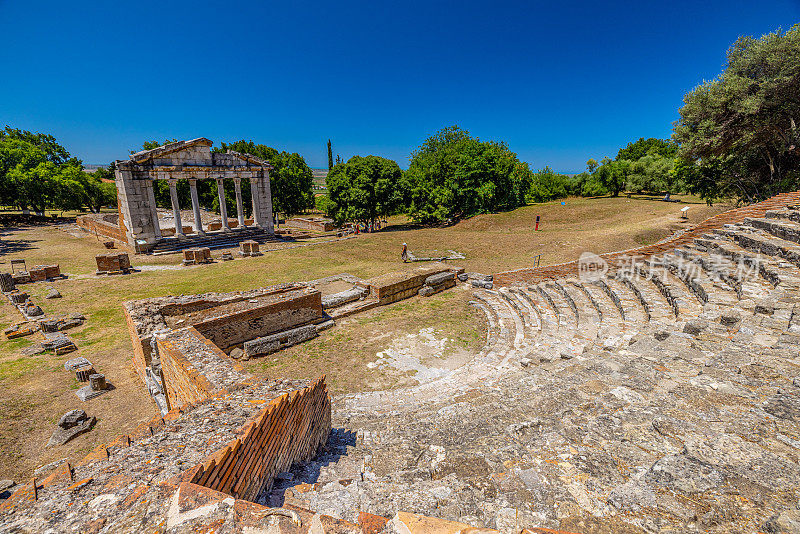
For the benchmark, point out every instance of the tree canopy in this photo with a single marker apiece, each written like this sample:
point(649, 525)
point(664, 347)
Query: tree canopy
point(453, 175)
point(740, 130)
point(36, 172)
point(291, 180)
point(642, 147)
point(364, 189)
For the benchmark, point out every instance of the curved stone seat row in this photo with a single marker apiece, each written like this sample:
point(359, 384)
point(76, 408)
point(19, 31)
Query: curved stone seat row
point(659, 397)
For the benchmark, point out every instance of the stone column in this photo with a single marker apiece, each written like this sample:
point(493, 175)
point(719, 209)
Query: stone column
point(269, 226)
point(257, 222)
point(151, 197)
point(198, 222)
point(223, 209)
point(176, 210)
point(239, 206)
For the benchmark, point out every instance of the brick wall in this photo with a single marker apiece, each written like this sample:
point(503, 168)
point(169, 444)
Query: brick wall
point(275, 317)
point(95, 224)
point(141, 347)
point(290, 429)
point(184, 382)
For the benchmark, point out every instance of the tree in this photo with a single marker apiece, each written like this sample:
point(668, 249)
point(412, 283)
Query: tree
point(291, 180)
point(364, 189)
point(547, 185)
point(743, 124)
point(653, 173)
point(453, 175)
point(330, 156)
point(614, 175)
point(642, 147)
point(592, 165)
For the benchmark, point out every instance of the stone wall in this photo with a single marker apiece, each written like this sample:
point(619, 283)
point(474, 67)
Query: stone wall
point(311, 223)
point(191, 330)
point(291, 429)
point(96, 224)
point(193, 368)
point(236, 328)
point(399, 285)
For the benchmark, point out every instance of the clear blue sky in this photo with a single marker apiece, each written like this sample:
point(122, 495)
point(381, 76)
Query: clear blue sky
point(560, 82)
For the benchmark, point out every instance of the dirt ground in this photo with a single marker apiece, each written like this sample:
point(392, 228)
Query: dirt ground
point(367, 351)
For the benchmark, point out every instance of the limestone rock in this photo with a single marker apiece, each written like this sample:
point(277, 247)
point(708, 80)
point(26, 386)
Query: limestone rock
point(72, 418)
point(678, 472)
point(661, 335)
point(237, 353)
point(53, 293)
point(787, 521)
point(730, 318)
point(694, 327)
point(481, 283)
point(71, 424)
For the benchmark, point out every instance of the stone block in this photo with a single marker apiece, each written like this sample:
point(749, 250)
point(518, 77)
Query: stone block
point(37, 274)
point(249, 248)
point(343, 297)
point(196, 255)
point(18, 298)
point(6, 282)
point(113, 262)
point(20, 330)
point(71, 424)
point(43, 272)
point(440, 278)
point(269, 344)
point(53, 293)
point(21, 277)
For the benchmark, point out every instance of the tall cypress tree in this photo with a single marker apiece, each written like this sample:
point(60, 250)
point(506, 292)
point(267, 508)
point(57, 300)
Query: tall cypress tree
point(330, 156)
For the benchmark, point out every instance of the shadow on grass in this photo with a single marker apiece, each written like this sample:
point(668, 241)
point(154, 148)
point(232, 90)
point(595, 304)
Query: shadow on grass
point(16, 245)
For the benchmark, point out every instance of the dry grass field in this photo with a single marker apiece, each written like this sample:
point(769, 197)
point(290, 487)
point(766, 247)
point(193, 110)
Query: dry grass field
point(35, 390)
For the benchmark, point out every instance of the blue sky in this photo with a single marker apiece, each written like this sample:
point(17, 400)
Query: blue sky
point(559, 82)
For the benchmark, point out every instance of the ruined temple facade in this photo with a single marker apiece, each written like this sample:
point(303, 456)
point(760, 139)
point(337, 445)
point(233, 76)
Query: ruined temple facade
point(193, 161)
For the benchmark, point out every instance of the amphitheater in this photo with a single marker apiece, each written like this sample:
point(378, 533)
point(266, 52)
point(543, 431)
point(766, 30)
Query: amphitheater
point(657, 393)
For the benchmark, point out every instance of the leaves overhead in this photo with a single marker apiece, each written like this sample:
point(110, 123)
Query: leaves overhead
point(742, 127)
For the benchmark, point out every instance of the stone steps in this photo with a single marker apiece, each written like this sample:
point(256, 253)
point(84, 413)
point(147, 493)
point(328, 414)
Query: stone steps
point(230, 239)
point(640, 397)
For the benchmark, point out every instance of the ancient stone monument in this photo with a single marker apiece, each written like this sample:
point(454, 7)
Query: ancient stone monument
point(191, 160)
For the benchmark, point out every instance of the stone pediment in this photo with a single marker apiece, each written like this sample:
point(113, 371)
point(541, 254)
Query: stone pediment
point(191, 153)
point(171, 148)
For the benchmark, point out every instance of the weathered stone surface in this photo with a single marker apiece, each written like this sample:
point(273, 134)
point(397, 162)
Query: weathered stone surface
point(71, 424)
point(683, 474)
point(6, 282)
point(72, 418)
point(694, 327)
point(269, 344)
point(74, 363)
point(343, 297)
point(730, 318)
point(237, 353)
point(426, 291)
point(52, 293)
point(19, 297)
point(439, 278)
